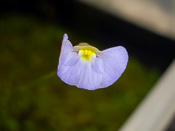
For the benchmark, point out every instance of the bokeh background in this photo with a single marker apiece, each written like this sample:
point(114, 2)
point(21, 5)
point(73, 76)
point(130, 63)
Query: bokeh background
point(33, 98)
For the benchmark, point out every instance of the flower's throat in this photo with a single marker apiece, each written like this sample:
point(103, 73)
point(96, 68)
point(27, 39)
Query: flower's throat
point(86, 54)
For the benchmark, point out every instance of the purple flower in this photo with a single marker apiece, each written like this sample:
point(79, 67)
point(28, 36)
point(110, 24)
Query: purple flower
point(86, 67)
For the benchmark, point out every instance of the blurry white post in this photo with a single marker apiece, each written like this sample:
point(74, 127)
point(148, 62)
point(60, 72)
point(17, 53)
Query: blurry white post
point(158, 17)
point(158, 108)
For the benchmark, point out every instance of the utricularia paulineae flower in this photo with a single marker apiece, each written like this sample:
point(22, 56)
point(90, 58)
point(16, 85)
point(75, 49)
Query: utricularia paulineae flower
point(86, 67)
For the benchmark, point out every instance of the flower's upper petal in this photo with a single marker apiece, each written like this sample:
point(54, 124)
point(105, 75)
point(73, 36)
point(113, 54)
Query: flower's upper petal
point(67, 55)
point(114, 61)
point(64, 42)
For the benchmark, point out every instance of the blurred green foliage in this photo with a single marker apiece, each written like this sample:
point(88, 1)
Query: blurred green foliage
point(33, 98)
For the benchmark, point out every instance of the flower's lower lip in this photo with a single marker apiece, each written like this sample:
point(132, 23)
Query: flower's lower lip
point(92, 69)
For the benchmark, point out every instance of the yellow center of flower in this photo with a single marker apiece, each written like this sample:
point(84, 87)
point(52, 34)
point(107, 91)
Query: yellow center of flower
point(87, 54)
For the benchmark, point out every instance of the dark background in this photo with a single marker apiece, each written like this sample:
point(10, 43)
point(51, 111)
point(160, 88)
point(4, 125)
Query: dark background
point(150, 48)
point(32, 97)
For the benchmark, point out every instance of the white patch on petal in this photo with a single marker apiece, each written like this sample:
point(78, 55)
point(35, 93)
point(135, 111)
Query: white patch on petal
point(97, 65)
